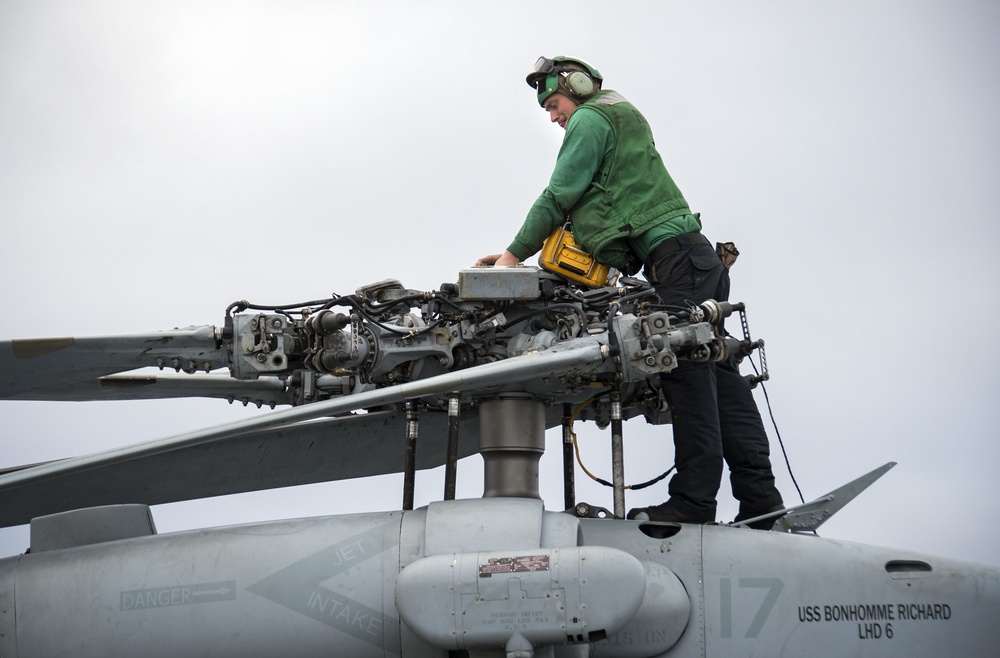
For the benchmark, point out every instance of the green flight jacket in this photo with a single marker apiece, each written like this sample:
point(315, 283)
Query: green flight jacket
point(610, 182)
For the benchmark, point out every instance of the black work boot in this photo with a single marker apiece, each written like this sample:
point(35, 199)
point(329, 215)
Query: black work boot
point(763, 524)
point(665, 512)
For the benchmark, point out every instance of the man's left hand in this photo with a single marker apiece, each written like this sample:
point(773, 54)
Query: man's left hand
point(506, 259)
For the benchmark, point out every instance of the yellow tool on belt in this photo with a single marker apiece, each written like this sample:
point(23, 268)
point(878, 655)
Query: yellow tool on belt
point(562, 255)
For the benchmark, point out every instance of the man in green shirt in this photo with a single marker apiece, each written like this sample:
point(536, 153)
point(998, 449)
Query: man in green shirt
point(610, 182)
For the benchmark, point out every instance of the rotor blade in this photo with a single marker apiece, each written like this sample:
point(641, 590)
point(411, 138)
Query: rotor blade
point(57, 474)
point(11, 469)
point(38, 363)
point(268, 391)
point(499, 373)
point(331, 449)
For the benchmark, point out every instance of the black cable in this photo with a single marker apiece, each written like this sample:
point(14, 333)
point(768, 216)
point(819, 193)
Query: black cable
point(244, 305)
point(326, 304)
point(378, 306)
point(443, 298)
point(353, 302)
point(774, 424)
point(636, 487)
point(579, 312)
point(676, 313)
point(648, 292)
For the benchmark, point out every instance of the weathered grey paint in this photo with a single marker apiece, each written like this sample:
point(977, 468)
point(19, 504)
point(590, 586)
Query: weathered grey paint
point(327, 587)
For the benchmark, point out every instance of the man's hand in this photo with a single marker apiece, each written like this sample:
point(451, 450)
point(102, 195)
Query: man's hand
point(506, 259)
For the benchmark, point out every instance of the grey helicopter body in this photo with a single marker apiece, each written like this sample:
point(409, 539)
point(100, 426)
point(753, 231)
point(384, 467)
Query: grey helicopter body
point(410, 380)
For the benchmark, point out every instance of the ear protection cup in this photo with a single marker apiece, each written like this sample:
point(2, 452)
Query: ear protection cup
point(580, 84)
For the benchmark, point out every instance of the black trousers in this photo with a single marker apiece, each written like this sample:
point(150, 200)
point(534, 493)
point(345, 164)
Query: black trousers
point(715, 417)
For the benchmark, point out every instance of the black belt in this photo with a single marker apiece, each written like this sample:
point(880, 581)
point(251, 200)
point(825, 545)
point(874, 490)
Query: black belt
point(670, 245)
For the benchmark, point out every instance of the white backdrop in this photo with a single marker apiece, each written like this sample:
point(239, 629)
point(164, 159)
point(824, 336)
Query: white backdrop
point(161, 160)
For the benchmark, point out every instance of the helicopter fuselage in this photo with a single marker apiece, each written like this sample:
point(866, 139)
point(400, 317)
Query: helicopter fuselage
point(446, 578)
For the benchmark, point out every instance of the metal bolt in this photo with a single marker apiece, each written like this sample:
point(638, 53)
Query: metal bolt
point(650, 361)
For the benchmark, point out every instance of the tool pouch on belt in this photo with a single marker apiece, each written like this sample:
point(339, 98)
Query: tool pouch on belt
point(728, 253)
point(563, 256)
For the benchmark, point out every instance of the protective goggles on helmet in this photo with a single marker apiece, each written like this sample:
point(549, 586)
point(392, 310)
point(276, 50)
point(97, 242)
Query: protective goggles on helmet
point(546, 66)
point(538, 79)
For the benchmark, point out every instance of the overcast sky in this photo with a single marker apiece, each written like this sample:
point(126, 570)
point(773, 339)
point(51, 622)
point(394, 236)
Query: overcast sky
point(161, 160)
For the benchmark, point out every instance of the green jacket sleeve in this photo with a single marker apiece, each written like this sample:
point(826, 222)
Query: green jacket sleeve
point(588, 139)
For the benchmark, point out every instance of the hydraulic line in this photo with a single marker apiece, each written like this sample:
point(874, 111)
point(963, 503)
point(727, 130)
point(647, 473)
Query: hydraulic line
point(451, 460)
point(568, 441)
point(410, 454)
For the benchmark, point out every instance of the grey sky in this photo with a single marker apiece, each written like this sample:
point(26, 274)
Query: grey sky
point(160, 160)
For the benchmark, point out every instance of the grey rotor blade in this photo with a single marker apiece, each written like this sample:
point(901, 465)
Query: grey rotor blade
point(485, 377)
point(39, 363)
point(345, 447)
point(267, 391)
point(53, 481)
